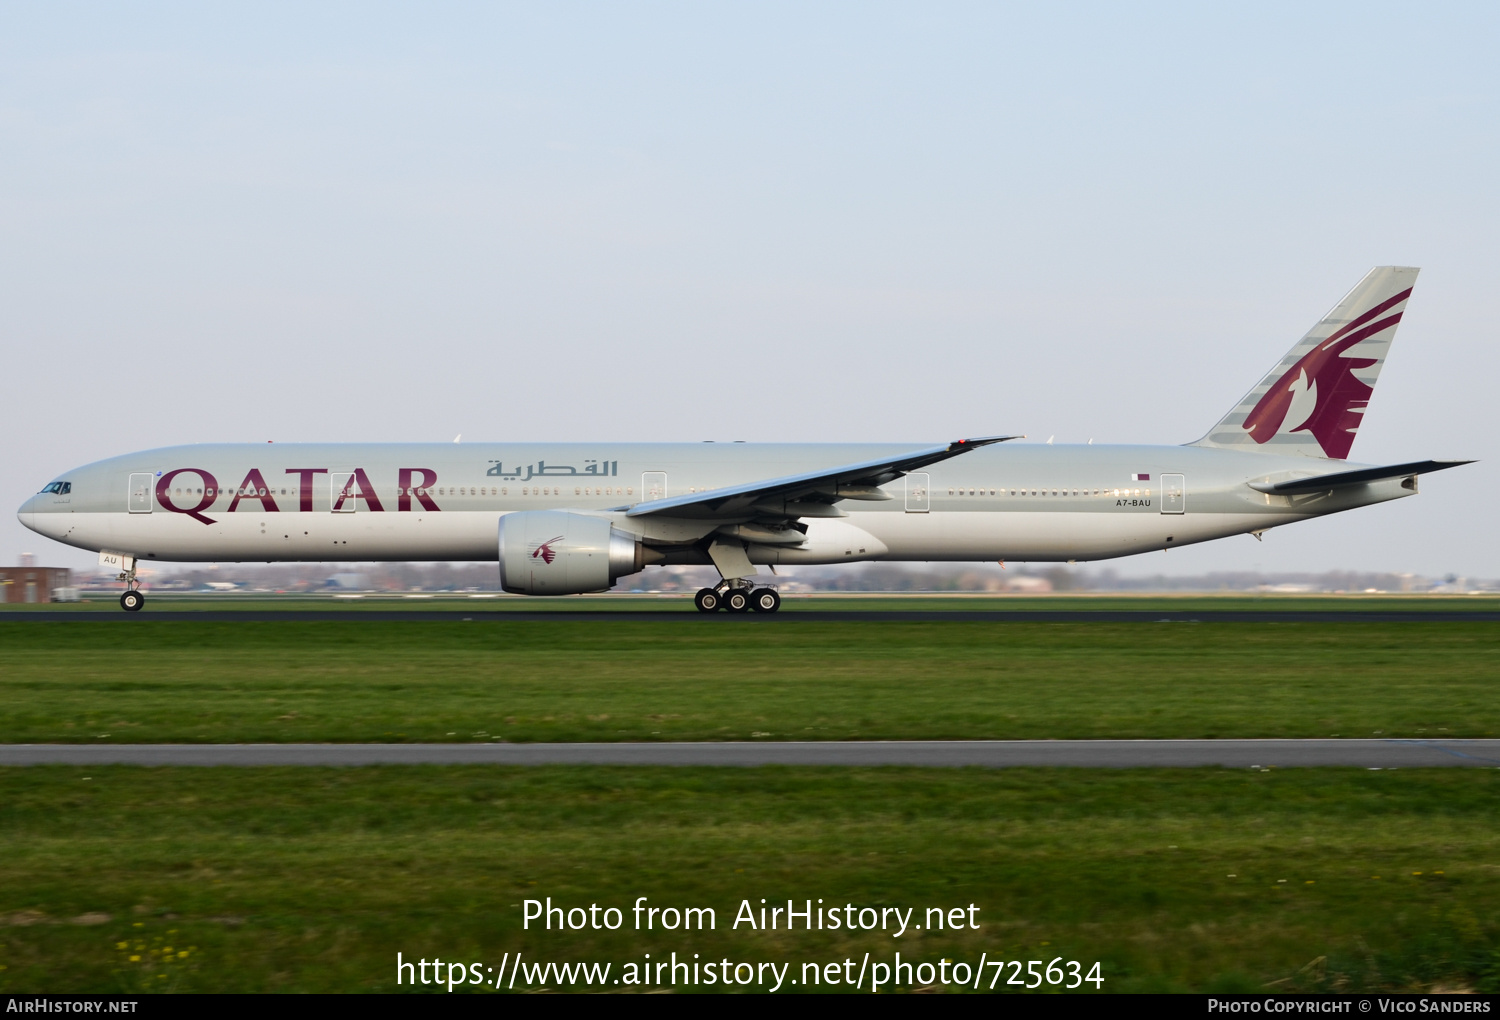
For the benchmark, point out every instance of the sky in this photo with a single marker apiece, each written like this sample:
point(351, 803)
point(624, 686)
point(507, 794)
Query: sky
point(769, 222)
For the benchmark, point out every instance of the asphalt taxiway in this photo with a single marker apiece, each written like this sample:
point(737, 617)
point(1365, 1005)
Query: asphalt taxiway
point(1270, 753)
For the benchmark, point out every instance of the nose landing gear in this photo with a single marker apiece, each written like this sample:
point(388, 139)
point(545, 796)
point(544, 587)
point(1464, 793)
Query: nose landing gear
point(132, 600)
point(737, 598)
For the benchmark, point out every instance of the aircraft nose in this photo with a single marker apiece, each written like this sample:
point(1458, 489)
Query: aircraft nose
point(27, 509)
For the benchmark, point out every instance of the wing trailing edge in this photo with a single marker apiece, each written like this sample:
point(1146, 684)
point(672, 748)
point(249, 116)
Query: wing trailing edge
point(810, 494)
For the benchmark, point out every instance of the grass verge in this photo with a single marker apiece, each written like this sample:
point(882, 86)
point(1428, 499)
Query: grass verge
point(314, 879)
point(187, 680)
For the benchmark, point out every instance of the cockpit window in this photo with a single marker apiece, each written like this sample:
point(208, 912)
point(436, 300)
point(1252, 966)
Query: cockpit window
point(58, 488)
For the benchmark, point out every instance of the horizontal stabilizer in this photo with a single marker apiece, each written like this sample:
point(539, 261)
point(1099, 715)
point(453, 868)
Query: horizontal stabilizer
point(1339, 479)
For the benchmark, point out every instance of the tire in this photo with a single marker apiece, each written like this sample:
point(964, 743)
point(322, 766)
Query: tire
point(132, 601)
point(737, 600)
point(707, 600)
point(765, 600)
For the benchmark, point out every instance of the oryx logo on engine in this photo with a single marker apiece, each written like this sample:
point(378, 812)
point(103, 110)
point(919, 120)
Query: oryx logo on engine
point(545, 552)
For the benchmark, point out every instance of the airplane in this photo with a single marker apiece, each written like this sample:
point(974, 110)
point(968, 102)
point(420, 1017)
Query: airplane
point(574, 518)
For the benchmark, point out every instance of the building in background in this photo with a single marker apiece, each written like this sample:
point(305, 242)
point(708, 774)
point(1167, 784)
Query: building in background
point(30, 583)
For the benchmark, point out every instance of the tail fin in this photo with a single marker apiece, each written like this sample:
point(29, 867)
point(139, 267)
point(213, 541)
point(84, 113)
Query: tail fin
point(1312, 402)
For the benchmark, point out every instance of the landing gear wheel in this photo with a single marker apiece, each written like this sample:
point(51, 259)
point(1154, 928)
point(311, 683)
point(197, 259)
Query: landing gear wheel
point(132, 601)
point(707, 600)
point(737, 600)
point(765, 600)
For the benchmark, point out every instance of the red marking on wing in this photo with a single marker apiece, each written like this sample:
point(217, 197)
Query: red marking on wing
point(1341, 397)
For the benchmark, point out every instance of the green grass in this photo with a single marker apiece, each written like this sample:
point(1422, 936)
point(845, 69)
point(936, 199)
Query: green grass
point(186, 680)
point(313, 879)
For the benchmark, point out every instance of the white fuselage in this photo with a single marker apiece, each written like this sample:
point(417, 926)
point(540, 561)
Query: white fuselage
point(1016, 502)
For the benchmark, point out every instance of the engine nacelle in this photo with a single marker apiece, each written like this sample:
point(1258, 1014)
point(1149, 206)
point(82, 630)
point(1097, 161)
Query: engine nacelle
point(551, 552)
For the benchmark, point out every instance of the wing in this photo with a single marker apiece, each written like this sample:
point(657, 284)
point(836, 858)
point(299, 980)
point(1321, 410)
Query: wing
point(1322, 483)
point(808, 495)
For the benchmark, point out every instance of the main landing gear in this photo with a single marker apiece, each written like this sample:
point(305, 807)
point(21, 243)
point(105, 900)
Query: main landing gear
point(736, 598)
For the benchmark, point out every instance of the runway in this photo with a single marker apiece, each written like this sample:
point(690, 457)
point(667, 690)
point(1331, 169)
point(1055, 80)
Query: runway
point(752, 619)
point(1112, 754)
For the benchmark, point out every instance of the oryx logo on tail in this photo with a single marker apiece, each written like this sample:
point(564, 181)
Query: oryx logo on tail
point(1312, 403)
point(545, 552)
point(1323, 388)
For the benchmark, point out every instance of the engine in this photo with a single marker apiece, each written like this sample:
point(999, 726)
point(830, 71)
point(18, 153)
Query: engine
point(552, 552)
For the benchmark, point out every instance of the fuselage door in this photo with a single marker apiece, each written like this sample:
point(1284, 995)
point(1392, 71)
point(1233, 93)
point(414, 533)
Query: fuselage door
point(1173, 494)
point(918, 492)
point(653, 485)
point(342, 492)
point(139, 498)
